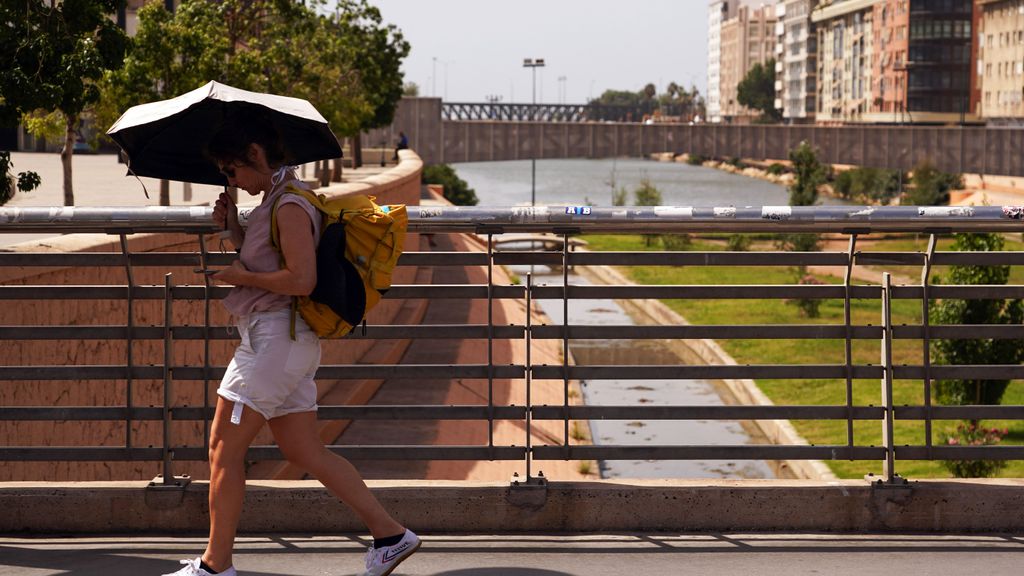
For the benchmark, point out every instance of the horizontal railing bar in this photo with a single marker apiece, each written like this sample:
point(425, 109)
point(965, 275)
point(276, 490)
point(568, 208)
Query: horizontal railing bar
point(719, 372)
point(961, 372)
point(946, 452)
point(581, 258)
point(78, 454)
point(706, 413)
point(705, 258)
point(971, 412)
point(80, 413)
point(479, 291)
point(332, 372)
point(650, 219)
point(705, 292)
point(748, 452)
point(540, 332)
point(738, 331)
point(424, 452)
point(377, 412)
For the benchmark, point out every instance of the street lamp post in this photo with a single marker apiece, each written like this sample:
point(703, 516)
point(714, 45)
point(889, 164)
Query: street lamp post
point(533, 63)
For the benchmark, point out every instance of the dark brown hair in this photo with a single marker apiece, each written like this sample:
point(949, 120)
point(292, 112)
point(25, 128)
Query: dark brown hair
point(245, 126)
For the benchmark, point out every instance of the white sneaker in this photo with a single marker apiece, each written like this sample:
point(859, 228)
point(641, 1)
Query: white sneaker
point(192, 569)
point(382, 561)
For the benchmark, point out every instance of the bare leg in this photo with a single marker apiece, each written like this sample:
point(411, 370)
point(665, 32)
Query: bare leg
point(228, 444)
point(297, 437)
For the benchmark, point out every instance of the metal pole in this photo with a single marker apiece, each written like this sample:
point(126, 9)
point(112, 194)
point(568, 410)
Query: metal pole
point(565, 335)
point(847, 314)
point(926, 344)
point(168, 360)
point(533, 144)
point(490, 340)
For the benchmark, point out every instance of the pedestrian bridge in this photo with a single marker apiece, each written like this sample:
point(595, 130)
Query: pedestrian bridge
point(112, 353)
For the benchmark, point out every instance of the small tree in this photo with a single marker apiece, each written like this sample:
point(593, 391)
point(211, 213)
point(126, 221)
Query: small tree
point(809, 174)
point(757, 91)
point(456, 190)
point(930, 187)
point(990, 351)
point(647, 194)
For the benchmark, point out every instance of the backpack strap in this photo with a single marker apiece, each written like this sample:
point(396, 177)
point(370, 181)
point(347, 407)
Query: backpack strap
point(275, 238)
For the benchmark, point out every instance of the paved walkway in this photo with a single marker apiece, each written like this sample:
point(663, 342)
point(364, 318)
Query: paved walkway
point(539, 555)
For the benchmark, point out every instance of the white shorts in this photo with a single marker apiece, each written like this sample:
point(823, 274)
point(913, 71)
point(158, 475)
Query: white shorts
point(270, 372)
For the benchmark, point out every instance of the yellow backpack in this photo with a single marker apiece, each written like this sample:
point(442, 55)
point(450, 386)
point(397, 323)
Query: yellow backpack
point(360, 243)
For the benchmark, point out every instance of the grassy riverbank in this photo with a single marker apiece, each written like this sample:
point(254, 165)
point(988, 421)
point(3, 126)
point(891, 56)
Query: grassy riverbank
point(820, 392)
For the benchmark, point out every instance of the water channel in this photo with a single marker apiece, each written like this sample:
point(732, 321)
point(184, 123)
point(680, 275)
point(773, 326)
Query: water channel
point(572, 182)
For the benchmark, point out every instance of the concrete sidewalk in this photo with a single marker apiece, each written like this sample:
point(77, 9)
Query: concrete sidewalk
point(538, 555)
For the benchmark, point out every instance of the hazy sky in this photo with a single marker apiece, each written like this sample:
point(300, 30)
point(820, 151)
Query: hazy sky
point(479, 45)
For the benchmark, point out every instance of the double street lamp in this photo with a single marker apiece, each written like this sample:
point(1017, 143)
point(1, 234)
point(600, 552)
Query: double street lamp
point(533, 63)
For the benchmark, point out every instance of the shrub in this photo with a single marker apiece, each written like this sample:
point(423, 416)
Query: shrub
point(695, 159)
point(970, 434)
point(739, 242)
point(455, 189)
point(776, 169)
point(811, 307)
point(676, 242)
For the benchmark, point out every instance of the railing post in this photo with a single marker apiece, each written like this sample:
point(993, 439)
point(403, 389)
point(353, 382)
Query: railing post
point(565, 337)
point(490, 341)
point(129, 347)
point(847, 315)
point(926, 344)
point(529, 375)
point(889, 465)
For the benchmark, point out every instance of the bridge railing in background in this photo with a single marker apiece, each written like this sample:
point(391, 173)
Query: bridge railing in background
point(852, 222)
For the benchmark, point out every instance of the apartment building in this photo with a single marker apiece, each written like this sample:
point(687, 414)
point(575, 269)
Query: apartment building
point(719, 11)
point(999, 75)
point(748, 38)
point(892, 42)
point(845, 56)
point(796, 60)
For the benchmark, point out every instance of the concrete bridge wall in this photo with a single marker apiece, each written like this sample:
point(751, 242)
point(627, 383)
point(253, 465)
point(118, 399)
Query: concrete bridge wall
point(978, 150)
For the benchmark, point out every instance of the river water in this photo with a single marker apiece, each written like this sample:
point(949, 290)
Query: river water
point(576, 182)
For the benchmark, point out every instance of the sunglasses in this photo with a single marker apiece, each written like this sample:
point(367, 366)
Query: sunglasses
point(228, 170)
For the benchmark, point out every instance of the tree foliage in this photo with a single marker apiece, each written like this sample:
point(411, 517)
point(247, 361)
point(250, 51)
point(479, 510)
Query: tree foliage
point(10, 183)
point(54, 52)
point(869, 185)
point(757, 91)
point(647, 194)
point(967, 312)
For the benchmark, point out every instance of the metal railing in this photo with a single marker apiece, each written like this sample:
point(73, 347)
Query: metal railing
point(852, 222)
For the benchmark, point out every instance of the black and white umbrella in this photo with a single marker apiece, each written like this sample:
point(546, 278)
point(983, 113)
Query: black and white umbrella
point(166, 139)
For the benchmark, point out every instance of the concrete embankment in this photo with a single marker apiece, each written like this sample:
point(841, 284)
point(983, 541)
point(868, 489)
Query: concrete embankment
point(466, 507)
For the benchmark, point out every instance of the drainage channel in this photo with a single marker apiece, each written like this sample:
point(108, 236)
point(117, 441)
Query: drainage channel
point(646, 393)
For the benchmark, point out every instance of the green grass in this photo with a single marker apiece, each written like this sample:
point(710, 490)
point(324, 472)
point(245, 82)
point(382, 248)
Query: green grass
point(820, 392)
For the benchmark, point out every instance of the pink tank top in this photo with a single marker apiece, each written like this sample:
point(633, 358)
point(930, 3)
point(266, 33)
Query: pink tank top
point(259, 255)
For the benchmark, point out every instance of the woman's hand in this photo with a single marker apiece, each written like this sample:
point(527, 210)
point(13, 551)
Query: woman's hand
point(234, 274)
point(225, 215)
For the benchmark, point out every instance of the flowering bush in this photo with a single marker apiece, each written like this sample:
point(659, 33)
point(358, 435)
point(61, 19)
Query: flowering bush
point(970, 434)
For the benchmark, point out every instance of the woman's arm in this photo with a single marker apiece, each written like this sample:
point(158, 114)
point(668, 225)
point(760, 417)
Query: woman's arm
point(297, 277)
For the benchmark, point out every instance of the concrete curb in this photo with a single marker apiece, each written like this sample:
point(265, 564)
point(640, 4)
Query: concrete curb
point(707, 351)
point(464, 507)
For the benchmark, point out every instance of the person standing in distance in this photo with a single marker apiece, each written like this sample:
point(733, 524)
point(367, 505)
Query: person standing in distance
point(270, 379)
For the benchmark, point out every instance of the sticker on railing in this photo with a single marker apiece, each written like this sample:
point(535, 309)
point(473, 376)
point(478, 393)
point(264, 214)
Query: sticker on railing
point(1014, 212)
point(776, 212)
point(578, 210)
point(945, 211)
point(197, 212)
point(673, 211)
point(428, 212)
point(725, 212)
point(864, 213)
point(8, 215)
point(57, 214)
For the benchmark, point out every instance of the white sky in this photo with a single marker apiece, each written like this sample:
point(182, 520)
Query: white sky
point(479, 46)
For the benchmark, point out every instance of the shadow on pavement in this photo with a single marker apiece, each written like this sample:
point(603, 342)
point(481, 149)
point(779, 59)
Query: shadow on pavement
point(502, 571)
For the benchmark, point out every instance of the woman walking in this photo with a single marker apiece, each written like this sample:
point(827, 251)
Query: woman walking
point(270, 379)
